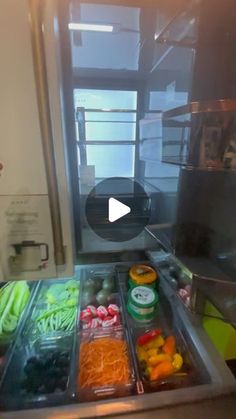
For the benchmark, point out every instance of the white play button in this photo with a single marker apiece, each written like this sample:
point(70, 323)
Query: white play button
point(117, 210)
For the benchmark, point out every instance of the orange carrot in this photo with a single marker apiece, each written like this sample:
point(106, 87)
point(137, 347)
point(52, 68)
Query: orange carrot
point(103, 362)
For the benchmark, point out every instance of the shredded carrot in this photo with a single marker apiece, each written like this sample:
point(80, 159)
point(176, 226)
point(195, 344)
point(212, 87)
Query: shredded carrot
point(103, 362)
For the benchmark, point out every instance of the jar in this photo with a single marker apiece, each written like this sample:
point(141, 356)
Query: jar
point(142, 303)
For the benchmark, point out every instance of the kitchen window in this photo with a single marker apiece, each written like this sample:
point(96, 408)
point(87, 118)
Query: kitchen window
point(106, 130)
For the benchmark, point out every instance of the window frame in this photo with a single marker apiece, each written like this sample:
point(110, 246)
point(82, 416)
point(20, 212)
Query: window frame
point(121, 85)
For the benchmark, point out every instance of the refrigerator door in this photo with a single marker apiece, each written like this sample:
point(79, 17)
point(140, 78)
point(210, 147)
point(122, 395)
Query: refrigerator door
point(32, 204)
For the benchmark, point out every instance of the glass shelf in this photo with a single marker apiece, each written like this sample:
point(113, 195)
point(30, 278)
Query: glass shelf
point(200, 134)
point(181, 31)
point(221, 294)
point(197, 282)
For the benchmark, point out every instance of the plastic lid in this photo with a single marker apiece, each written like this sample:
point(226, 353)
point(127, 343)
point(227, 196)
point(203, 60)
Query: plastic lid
point(143, 297)
point(142, 274)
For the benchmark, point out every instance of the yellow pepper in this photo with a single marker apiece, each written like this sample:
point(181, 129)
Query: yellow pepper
point(177, 362)
point(154, 343)
point(159, 341)
point(142, 354)
point(157, 359)
point(147, 346)
point(152, 352)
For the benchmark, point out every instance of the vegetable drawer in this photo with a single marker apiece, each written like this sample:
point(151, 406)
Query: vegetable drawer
point(55, 308)
point(16, 298)
point(39, 373)
point(104, 365)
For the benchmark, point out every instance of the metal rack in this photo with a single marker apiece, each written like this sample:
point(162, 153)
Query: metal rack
point(81, 124)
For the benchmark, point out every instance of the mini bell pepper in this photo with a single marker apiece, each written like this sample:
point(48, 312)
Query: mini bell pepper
point(152, 352)
point(158, 341)
point(162, 370)
point(169, 346)
point(157, 359)
point(148, 336)
point(142, 354)
point(177, 362)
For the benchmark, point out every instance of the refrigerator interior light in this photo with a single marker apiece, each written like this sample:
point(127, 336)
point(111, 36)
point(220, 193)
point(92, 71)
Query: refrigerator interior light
point(93, 27)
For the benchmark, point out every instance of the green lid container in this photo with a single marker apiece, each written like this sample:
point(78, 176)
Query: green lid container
point(142, 303)
point(132, 284)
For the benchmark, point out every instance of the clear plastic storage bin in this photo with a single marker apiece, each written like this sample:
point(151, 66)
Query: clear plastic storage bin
point(7, 341)
point(192, 372)
point(97, 391)
point(17, 393)
point(100, 282)
point(57, 322)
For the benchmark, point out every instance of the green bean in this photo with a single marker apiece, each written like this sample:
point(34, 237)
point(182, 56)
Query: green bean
point(57, 317)
point(71, 324)
point(64, 325)
point(51, 323)
point(66, 319)
point(40, 327)
point(55, 323)
point(44, 324)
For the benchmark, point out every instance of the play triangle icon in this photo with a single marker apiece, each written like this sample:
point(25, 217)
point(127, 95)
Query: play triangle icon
point(117, 210)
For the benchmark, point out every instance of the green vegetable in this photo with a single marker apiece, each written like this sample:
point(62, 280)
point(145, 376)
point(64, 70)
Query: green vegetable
point(103, 296)
point(71, 302)
point(13, 298)
point(22, 294)
point(108, 284)
point(98, 282)
point(54, 292)
point(72, 286)
point(90, 285)
point(60, 314)
point(48, 313)
point(10, 323)
point(4, 296)
point(88, 297)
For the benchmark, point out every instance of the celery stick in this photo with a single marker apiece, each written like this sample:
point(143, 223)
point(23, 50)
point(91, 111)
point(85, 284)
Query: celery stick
point(22, 293)
point(6, 310)
point(8, 289)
